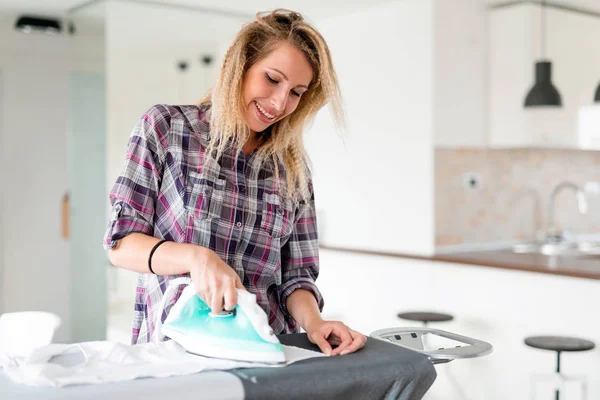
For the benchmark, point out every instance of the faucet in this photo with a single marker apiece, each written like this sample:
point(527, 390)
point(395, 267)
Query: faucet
point(555, 235)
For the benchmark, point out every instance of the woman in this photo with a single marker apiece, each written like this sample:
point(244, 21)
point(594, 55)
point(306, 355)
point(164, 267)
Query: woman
point(222, 191)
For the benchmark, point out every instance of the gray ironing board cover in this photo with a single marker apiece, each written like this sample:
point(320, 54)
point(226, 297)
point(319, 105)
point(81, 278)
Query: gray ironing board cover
point(381, 370)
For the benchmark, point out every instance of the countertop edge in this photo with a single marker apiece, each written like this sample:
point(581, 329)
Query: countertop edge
point(475, 259)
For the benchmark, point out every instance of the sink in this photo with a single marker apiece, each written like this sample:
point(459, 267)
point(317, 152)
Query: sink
point(567, 249)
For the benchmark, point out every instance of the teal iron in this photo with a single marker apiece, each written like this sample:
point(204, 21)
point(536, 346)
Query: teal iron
point(242, 334)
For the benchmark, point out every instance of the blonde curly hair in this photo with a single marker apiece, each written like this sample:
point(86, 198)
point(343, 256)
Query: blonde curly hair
point(284, 146)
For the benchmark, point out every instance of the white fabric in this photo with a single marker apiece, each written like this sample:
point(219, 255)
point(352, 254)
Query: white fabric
point(157, 336)
point(58, 365)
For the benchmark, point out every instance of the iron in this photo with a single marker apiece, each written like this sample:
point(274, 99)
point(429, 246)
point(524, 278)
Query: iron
point(242, 334)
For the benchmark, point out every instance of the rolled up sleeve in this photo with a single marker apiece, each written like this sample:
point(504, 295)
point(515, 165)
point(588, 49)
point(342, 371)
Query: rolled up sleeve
point(300, 258)
point(134, 193)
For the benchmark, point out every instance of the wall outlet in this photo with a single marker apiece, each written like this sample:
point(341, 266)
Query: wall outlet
point(592, 188)
point(471, 181)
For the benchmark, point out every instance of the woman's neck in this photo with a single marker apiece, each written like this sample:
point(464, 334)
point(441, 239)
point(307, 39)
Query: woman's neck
point(251, 144)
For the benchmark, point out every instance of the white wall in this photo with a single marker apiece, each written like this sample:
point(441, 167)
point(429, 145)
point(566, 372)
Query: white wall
point(460, 73)
point(88, 44)
point(35, 110)
point(499, 306)
point(413, 79)
point(34, 267)
point(374, 187)
point(3, 174)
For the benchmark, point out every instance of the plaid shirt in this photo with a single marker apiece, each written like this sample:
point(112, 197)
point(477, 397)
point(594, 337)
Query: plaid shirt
point(231, 207)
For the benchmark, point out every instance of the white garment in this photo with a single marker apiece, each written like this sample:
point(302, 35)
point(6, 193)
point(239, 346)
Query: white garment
point(58, 365)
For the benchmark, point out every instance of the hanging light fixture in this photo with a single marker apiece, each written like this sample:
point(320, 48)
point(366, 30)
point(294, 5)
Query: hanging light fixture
point(543, 92)
point(597, 96)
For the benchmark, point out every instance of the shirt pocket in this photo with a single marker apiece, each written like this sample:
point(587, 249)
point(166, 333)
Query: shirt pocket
point(275, 216)
point(205, 196)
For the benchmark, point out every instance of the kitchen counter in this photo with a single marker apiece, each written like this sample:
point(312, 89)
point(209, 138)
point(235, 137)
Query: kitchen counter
point(579, 267)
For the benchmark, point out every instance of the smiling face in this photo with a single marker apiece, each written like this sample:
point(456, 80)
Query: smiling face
point(273, 86)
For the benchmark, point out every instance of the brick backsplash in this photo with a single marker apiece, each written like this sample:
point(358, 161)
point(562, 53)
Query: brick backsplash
point(511, 199)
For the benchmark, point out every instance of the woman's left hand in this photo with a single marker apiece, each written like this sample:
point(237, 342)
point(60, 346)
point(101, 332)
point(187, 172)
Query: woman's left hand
point(326, 334)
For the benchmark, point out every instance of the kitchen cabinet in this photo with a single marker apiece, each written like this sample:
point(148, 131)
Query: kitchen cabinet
point(571, 43)
point(499, 306)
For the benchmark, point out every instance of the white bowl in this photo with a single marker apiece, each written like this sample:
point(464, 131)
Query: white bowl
point(21, 332)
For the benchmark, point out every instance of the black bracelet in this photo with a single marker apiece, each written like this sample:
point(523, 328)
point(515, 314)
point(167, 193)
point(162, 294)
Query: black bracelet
point(151, 253)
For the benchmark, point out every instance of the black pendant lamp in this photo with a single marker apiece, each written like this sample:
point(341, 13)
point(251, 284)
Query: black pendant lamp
point(597, 95)
point(543, 93)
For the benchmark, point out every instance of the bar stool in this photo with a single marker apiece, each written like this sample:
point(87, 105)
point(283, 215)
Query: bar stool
point(425, 316)
point(560, 344)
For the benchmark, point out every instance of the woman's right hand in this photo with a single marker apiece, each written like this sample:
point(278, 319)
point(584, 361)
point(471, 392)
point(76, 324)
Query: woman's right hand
point(214, 281)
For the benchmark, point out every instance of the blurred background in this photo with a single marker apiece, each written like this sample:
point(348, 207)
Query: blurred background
point(457, 186)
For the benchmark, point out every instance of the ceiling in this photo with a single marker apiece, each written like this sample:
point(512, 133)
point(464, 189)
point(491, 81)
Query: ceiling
point(591, 5)
point(241, 7)
point(311, 8)
point(249, 7)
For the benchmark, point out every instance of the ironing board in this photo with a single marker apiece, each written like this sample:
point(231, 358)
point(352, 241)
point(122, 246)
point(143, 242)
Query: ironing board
point(380, 370)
